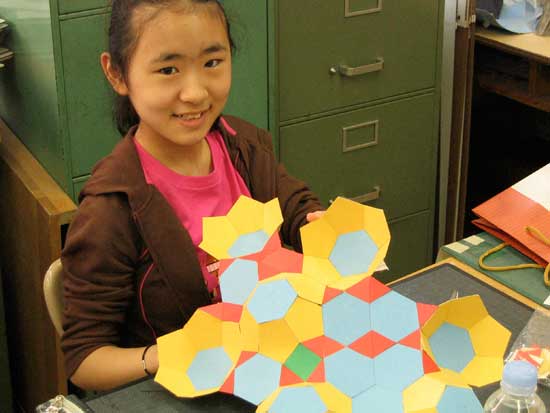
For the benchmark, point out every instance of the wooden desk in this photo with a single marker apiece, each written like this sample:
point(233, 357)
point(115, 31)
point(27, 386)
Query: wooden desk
point(528, 45)
point(33, 213)
point(6, 401)
point(500, 132)
point(520, 68)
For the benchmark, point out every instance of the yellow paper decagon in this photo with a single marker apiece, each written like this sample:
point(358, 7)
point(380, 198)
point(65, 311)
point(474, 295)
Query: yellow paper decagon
point(487, 337)
point(344, 223)
point(246, 217)
point(203, 333)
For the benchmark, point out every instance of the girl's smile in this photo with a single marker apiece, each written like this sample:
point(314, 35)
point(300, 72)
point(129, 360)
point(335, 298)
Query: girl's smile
point(192, 120)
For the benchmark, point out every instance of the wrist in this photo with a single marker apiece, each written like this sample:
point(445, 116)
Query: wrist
point(149, 360)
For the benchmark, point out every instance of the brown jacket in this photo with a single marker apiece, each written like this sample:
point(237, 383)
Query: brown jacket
point(124, 228)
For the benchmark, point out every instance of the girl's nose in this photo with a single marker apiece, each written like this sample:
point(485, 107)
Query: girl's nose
point(193, 90)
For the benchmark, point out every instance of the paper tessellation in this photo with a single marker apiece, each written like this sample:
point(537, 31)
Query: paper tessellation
point(314, 332)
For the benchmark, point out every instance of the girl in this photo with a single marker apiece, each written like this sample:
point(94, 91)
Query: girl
point(133, 270)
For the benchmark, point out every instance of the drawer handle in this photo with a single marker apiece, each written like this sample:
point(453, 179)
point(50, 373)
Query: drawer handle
point(349, 13)
point(346, 147)
point(368, 197)
point(349, 71)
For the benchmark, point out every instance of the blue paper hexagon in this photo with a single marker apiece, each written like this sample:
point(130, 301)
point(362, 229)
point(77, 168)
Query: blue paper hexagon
point(394, 316)
point(238, 281)
point(378, 399)
point(249, 243)
point(398, 367)
point(271, 300)
point(350, 372)
point(257, 378)
point(298, 400)
point(346, 318)
point(459, 400)
point(209, 368)
point(452, 347)
point(353, 253)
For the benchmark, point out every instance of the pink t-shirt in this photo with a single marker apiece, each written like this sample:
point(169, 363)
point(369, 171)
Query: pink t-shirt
point(195, 197)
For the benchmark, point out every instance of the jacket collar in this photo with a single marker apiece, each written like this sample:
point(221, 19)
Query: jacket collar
point(121, 171)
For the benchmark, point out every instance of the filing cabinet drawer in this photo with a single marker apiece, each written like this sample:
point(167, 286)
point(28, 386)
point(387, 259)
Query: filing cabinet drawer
point(315, 37)
point(410, 245)
point(88, 96)
point(72, 6)
point(389, 146)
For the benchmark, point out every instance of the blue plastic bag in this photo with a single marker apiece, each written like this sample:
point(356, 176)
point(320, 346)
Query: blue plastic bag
point(517, 16)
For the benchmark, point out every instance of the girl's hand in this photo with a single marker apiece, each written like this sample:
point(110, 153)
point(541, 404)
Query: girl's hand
point(314, 216)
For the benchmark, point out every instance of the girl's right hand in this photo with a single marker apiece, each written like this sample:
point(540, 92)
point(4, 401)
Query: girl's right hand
point(314, 216)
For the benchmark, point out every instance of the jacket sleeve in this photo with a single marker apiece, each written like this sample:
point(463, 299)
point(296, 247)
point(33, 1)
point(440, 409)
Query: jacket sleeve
point(99, 257)
point(295, 198)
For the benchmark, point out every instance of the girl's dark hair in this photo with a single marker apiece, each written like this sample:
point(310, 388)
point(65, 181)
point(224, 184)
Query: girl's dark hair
point(123, 41)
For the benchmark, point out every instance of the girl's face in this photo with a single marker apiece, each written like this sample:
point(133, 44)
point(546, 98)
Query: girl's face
point(179, 76)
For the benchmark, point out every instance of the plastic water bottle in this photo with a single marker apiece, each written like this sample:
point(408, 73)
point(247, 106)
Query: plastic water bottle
point(518, 391)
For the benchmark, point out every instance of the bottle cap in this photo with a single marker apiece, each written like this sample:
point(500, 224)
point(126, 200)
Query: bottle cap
point(519, 377)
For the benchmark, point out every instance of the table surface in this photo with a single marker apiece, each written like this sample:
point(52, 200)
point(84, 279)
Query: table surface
point(433, 285)
point(527, 45)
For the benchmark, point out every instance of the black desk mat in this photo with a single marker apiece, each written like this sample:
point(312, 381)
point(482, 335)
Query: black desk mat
point(148, 396)
point(436, 286)
point(433, 286)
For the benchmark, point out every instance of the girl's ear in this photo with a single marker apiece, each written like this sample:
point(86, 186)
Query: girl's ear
point(113, 75)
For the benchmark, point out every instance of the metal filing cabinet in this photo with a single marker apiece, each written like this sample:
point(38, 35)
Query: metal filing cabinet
point(358, 109)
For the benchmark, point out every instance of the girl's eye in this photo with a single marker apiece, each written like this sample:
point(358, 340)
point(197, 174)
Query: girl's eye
point(213, 63)
point(168, 70)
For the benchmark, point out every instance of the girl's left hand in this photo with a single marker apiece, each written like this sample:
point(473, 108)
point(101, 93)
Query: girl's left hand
point(314, 216)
